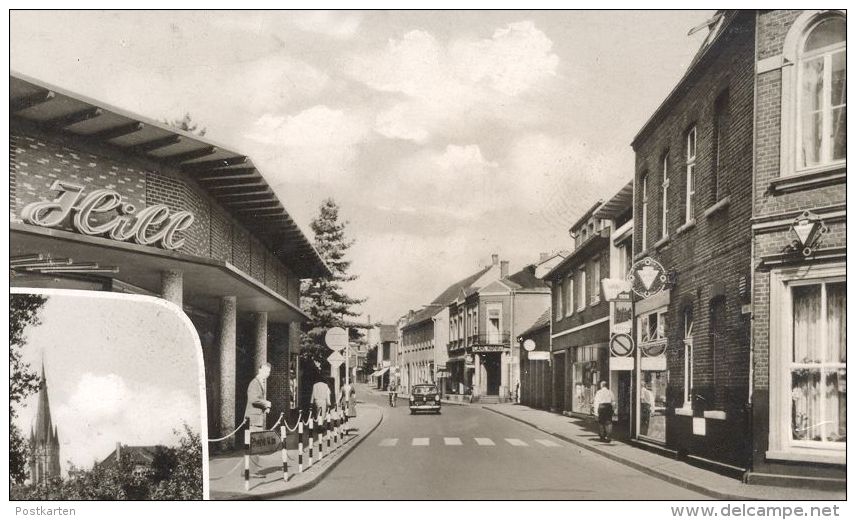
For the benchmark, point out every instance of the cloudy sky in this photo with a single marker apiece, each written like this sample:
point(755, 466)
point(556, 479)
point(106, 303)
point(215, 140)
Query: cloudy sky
point(117, 370)
point(444, 136)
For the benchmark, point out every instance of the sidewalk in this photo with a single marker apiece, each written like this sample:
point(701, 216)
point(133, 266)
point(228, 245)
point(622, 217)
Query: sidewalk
point(226, 472)
point(671, 470)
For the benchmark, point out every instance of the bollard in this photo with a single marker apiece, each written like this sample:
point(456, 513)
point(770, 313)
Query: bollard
point(247, 460)
point(327, 429)
point(311, 438)
point(300, 446)
point(320, 439)
point(284, 434)
point(336, 429)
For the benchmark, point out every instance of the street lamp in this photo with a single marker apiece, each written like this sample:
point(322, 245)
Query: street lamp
point(808, 229)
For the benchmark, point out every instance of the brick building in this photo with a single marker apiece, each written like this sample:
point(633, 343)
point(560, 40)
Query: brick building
point(536, 378)
point(582, 319)
point(105, 200)
point(692, 209)
point(799, 287)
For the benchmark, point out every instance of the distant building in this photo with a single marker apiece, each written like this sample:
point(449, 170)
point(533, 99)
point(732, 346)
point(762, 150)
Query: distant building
point(582, 319)
point(44, 439)
point(419, 339)
point(385, 339)
point(141, 457)
point(482, 322)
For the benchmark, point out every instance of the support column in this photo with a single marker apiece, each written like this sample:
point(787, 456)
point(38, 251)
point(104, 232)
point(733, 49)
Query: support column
point(172, 287)
point(260, 339)
point(293, 353)
point(477, 375)
point(504, 387)
point(228, 324)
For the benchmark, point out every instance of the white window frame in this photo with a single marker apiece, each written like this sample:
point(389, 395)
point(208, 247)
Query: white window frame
point(791, 77)
point(595, 280)
point(781, 447)
point(664, 225)
point(569, 301)
point(660, 333)
point(691, 153)
point(581, 278)
point(688, 358)
point(644, 230)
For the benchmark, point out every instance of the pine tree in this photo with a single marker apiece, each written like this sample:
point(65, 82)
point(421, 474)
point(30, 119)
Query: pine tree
point(186, 123)
point(324, 299)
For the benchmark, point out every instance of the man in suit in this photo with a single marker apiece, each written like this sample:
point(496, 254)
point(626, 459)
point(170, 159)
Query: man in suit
point(258, 406)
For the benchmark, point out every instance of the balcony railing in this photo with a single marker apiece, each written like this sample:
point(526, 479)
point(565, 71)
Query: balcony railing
point(493, 338)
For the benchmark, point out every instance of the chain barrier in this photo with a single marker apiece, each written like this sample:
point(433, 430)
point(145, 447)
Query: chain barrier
point(272, 428)
point(231, 434)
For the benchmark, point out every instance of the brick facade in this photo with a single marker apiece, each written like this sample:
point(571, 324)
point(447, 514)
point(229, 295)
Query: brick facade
point(36, 161)
point(774, 211)
point(709, 255)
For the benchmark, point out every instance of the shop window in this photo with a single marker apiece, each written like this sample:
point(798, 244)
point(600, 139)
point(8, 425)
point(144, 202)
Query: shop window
point(808, 412)
point(814, 103)
point(688, 357)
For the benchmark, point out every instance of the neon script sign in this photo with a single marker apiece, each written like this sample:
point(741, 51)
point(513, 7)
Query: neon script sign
point(152, 225)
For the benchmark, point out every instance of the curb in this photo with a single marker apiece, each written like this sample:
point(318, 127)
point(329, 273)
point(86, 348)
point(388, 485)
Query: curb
point(311, 483)
point(668, 477)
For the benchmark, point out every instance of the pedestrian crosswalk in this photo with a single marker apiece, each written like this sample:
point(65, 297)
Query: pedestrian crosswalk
point(392, 442)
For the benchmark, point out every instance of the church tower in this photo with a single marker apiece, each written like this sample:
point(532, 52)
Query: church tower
point(44, 439)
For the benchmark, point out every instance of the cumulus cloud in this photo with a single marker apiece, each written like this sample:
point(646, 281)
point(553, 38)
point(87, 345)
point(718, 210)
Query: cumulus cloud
point(446, 82)
point(317, 144)
point(106, 409)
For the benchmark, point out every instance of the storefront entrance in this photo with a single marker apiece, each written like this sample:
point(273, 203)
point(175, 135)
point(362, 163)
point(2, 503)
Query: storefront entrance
point(492, 372)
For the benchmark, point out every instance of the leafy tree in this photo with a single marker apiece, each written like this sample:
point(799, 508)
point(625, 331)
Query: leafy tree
point(186, 124)
point(23, 313)
point(324, 299)
point(174, 474)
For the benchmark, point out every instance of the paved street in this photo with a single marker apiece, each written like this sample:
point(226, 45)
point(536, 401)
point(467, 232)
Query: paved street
point(470, 453)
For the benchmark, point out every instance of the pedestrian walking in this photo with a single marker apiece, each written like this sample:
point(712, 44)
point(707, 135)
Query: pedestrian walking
point(392, 390)
point(604, 403)
point(321, 399)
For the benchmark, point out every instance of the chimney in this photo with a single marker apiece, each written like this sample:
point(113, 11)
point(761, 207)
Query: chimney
point(503, 269)
point(544, 257)
point(494, 259)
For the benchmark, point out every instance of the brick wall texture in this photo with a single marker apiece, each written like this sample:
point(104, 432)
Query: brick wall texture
point(36, 162)
point(711, 259)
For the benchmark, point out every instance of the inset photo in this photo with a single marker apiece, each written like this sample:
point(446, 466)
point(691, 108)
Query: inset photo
point(107, 399)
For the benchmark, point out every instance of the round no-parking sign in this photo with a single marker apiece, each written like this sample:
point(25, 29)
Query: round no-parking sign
point(621, 345)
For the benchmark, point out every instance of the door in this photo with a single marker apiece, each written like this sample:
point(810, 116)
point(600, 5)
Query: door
point(559, 381)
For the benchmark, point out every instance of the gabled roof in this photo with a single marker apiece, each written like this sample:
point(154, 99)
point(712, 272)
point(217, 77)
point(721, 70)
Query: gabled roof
point(542, 322)
point(229, 177)
point(451, 293)
point(422, 315)
point(137, 454)
point(719, 25)
point(525, 279)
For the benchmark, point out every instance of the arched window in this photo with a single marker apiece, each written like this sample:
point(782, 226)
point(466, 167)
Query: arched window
point(821, 101)
point(814, 85)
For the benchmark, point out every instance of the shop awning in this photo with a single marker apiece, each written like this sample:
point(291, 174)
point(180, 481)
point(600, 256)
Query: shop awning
point(380, 372)
point(205, 280)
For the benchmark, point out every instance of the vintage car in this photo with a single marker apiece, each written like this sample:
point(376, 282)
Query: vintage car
point(424, 397)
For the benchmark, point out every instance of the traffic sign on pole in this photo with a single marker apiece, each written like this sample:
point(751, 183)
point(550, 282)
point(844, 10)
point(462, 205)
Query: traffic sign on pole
point(336, 338)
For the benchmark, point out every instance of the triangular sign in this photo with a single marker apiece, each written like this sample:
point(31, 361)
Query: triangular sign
point(647, 274)
point(803, 231)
